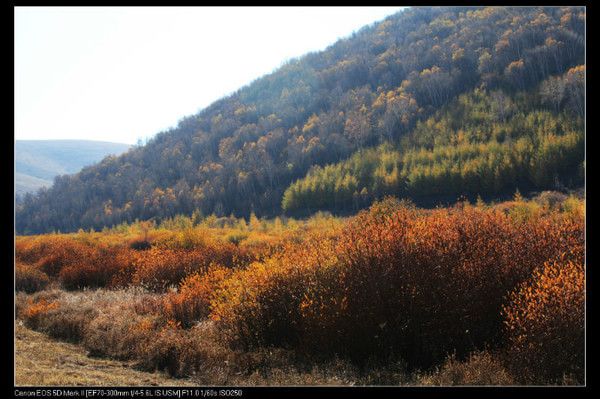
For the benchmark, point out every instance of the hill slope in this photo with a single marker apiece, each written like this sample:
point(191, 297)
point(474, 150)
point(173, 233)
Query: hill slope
point(37, 162)
point(468, 148)
point(242, 152)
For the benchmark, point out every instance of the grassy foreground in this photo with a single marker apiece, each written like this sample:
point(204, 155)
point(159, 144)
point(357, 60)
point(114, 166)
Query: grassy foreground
point(41, 361)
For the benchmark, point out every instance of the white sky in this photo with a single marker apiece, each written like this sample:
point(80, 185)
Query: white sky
point(123, 73)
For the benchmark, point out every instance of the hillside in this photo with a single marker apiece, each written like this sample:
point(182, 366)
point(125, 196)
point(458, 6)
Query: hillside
point(419, 82)
point(488, 155)
point(37, 162)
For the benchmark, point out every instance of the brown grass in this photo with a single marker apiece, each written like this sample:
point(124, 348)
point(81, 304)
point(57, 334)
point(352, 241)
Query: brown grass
point(481, 368)
point(40, 361)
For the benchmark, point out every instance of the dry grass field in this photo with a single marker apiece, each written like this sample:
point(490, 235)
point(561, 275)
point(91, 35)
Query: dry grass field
point(41, 361)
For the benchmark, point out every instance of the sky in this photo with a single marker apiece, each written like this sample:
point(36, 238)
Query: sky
point(123, 74)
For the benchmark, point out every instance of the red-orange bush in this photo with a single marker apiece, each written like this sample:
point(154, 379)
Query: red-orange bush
point(29, 279)
point(260, 305)
point(29, 249)
point(192, 301)
point(545, 324)
point(102, 266)
point(396, 282)
point(111, 263)
point(159, 268)
point(412, 284)
point(57, 252)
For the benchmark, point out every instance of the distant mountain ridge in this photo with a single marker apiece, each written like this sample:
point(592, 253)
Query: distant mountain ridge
point(37, 162)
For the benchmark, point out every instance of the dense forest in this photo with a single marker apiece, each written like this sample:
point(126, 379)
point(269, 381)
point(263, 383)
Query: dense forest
point(429, 103)
point(481, 144)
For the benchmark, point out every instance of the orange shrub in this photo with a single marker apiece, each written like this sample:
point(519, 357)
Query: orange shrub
point(421, 285)
point(80, 262)
point(30, 249)
point(192, 302)
point(260, 305)
point(60, 252)
point(158, 268)
point(124, 268)
point(395, 282)
point(29, 279)
point(398, 282)
point(103, 266)
point(24, 250)
point(545, 324)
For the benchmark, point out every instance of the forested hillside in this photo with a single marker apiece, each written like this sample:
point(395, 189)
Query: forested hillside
point(481, 144)
point(429, 103)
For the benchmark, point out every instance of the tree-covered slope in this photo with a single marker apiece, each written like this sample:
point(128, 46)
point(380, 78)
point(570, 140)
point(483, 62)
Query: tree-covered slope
point(482, 143)
point(37, 162)
point(380, 85)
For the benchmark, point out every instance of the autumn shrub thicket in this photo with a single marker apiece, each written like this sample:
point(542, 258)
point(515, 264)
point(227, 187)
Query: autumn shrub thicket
point(130, 324)
point(545, 324)
point(77, 263)
point(261, 305)
point(51, 253)
point(409, 284)
point(106, 322)
point(127, 323)
point(159, 268)
point(498, 289)
point(192, 301)
point(102, 266)
point(36, 310)
point(29, 279)
point(74, 263)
